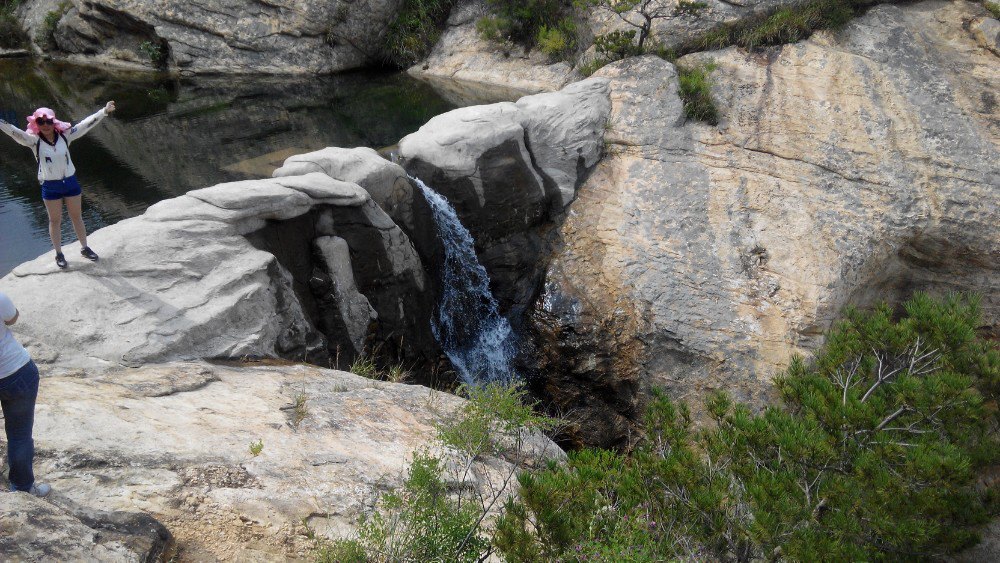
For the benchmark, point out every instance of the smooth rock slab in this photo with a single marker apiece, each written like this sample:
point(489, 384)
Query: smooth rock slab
point(173, 441)
point(208, 275)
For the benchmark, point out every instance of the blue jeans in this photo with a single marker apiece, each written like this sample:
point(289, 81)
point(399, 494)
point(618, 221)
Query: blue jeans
point(17, 396)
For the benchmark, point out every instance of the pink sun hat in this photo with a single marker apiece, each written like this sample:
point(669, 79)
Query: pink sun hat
point(60, 126)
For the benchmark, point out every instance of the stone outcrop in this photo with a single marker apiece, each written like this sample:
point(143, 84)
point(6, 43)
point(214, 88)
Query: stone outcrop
point(508, 169)
point(173, 441)
point(238, 269)
point(219, 36)
point(387, 183)
point(33, 529)
point(847, 169)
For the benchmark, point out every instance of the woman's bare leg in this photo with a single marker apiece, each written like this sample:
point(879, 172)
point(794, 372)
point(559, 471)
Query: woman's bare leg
point(54, 209)
point(74, 206)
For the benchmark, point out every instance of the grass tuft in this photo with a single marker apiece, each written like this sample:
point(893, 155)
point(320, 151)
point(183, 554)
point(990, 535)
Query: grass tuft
point(696, 93)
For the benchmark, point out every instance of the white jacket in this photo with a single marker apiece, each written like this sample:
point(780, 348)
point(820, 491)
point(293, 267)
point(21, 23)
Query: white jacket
point(54, 162)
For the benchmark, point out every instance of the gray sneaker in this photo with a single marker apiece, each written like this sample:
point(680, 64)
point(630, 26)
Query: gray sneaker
point(40, 489)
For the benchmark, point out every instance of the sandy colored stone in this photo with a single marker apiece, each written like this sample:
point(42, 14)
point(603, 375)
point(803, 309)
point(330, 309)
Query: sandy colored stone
point(173, 441)
point(846, 169)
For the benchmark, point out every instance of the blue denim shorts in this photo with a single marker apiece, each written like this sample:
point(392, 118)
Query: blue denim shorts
point(58, 189)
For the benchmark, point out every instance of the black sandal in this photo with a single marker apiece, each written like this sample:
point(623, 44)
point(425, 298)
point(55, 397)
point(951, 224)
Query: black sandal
point(88, 253)
point(61, 260)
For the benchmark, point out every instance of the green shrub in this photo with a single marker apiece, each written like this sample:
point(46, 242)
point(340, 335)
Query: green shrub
point(493, 28)
point(256, 447)
point(872, 456)
point(786, 24)
point(422, 522)
point(519, 21)
point(439, 513)
point(696, 93)
point(414, 30)
point(611, 47)
point(993, 8)
point(12, 35)
point(616, 45)
point(591, 66)
point(46, 38)
point(156, 53)
point(559, 41)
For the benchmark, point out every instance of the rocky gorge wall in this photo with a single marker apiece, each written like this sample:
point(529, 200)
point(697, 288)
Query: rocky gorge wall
point(850, 168)
point(224, 36)
point(638, 248)
point(846, 169)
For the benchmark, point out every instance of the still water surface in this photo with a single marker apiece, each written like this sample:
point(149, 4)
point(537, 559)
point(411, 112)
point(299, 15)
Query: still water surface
point(171, 135)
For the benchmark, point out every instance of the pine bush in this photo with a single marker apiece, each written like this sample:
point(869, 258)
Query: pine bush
point(871, 454)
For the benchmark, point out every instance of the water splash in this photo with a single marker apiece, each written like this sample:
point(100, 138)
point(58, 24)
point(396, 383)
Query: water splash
point(467, 323)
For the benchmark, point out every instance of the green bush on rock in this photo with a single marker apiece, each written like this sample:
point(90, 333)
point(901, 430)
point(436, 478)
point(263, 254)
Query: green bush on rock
point(993, 8)
point(439, 514)
point(872, 456)
point(518, 22)
point(558, 41)
point(694, 88)
point(414, 30)
point(12, 35)
point(46, 37)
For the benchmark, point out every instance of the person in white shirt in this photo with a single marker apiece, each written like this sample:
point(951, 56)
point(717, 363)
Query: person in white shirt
point(18, 391)
point(49, 139)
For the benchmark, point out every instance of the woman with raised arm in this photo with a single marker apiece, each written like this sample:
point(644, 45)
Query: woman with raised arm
point(49, 140)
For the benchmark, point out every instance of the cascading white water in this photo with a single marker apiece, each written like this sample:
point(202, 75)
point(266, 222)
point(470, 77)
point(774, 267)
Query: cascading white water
point(467, 323)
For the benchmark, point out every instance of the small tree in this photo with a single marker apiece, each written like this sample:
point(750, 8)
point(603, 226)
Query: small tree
point(641, 14)
point(442, 510)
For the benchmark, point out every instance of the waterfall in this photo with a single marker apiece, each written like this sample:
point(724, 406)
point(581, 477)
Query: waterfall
point(467, 322)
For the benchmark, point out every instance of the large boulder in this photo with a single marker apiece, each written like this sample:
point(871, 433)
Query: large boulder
point(509, 169)
point(33, 529)
point(846, 169)
point(388, 184)
point(219, 36)
point(173, 441)
point(229, 271)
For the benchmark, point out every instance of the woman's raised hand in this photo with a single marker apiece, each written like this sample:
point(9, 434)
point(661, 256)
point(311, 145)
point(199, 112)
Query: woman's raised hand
point(110, 107)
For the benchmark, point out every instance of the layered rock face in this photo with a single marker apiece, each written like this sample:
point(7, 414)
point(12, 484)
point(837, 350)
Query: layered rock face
point(230, 36)
point(849, 168)
point(509, 169)
point(173, 441)
point(303, 267)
